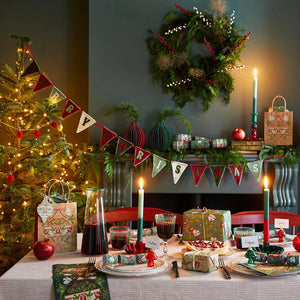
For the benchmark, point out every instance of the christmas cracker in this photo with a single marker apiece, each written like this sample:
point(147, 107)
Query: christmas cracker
point(124, 259)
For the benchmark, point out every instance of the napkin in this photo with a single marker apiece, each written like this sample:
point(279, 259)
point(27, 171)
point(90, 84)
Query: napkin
point(70, 283)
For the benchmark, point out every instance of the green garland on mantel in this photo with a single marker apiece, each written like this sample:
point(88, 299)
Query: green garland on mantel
point(194, 51)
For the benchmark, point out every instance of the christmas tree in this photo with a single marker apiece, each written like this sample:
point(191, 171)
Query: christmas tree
point(36, 151)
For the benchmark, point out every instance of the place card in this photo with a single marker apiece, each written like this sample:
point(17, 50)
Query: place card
point(249, 241)
point(281, 223)
point(152, 242)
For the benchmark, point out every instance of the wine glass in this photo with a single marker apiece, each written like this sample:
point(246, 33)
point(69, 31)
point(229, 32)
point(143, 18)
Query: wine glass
point(165, 224)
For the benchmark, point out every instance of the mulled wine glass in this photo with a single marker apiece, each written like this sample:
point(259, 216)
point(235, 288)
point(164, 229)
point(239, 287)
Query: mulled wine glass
point(165, 224)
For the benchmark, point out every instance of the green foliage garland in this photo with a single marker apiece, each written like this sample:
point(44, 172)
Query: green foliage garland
point(193, 53)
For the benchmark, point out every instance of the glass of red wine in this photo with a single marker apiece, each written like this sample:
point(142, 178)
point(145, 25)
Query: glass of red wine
point(165, 224)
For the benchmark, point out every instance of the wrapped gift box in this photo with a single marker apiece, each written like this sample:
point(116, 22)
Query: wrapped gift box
point(219, 143)
point(204, 224)
point(193, 260)
point(182, 137)
point(283, 259)
point(201, 143)
point(178, 145)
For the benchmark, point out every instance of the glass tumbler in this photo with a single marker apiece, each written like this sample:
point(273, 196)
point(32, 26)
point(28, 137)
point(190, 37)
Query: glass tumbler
point(240, 232)
point(94, 240)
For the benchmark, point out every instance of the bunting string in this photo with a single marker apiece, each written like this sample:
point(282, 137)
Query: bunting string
point(140, 154)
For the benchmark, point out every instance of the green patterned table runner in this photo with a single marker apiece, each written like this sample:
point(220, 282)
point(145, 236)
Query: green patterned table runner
point(70, 284)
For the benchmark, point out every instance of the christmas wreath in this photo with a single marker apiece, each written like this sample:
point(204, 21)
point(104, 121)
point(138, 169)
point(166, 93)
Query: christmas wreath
point(194, 52)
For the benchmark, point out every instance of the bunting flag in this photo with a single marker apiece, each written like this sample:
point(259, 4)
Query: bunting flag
point(85, 122)
point(237, 172)
point(70, 109)
point(178, 169)
point(56, 96)
point(198, 171)
point(256, 167)
point(42, 83)
point(122, 146)
point(218, 172)
point(106, 136)
point(140, 155)
point(32, 68)
point(158, 164)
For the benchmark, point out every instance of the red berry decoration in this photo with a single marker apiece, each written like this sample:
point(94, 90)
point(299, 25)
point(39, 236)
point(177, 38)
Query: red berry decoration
point(53, 124)
point(296, 242)
point(37, 133)
point(19, 133)
point(10, 177)
point(238, 134)
point(43, 249)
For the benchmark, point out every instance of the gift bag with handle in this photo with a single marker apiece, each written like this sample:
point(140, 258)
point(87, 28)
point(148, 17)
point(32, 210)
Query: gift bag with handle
point(57, 221)
point(278, 125)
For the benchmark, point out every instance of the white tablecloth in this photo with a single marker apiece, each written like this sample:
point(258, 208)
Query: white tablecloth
point(32, 279)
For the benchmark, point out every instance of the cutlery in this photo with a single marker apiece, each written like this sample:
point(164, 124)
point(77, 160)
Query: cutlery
point(175, 268)
point(180, 239)
point(223, 268)
point(91, 262)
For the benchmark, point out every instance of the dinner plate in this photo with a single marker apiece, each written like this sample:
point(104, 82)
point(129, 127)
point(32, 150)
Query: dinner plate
point(273, 271)
point(274, 241)
point(160, 266)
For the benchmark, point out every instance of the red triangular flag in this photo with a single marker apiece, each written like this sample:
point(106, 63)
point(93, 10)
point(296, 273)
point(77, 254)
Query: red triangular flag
point(106, 136)
point(140, 155)
point(70, 109)
point(32, 68)
point(42, 83)
point(237, 172)
point(28, 50)
point(198, 171)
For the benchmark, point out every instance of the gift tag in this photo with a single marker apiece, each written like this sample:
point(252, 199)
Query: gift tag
point(281, 223)
point(152, 242)
point(44, 210)
point(249, 241)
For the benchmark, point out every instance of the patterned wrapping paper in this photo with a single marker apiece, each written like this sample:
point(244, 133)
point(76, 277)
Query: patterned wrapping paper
point(202, 143)
point(179, 145)
point(124, 259)
point(278, 259)
point(204, 224)
point(219, 143)
point(182, 137)
point(193, 260)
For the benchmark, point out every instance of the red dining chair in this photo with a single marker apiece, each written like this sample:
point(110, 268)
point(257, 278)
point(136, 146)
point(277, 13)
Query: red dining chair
point(127, 214)
point(257, 217)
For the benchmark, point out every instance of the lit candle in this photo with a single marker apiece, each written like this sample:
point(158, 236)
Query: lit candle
point(140, 212)
point(266, 211)
point(254, 115)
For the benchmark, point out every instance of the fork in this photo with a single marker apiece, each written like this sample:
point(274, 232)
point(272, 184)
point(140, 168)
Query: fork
point(91, 262)
point(223, 267)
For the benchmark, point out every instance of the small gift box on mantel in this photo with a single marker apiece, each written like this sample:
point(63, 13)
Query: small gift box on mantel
point(204, 224)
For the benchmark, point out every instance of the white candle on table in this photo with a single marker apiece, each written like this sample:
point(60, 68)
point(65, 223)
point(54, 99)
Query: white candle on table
point(140, 212)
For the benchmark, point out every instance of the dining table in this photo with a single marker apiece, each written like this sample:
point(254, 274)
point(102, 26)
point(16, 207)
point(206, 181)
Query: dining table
point(31, 278)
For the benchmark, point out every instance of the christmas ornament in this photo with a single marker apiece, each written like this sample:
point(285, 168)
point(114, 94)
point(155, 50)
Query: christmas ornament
point(31, 169)
point(296, 242)
point(19, 133)
point(44, 210)
point(59, 127)
point(238, 134)
point(53, 124)
point(43, 249)
point(67, 152)
point(210, 43)
point(10, 177)
point(37, 133)
point(160, 137)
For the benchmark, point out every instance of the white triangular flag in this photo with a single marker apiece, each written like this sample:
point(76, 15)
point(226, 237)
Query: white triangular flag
point(178, 168)
point(85, 122)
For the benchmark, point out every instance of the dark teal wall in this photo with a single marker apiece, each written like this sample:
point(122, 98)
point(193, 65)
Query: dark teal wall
point(119, 64)
point(59, 31)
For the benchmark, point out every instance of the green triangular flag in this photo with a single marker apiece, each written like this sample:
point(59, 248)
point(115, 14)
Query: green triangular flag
point(158, 164)
point(122, 146)
point(56, 96)
point(256, 167)
point(218, 172)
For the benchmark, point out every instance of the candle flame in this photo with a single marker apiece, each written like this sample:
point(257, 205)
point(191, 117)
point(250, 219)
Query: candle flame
point(141, 183)
point(266, 182)
point(255, 73)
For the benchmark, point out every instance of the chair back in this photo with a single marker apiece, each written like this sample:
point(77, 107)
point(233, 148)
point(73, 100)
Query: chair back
point(127, 214)
point(257, 217)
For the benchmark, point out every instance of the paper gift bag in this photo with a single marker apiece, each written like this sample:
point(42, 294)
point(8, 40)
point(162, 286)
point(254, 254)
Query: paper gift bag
point(57, 221)
point(278, 125)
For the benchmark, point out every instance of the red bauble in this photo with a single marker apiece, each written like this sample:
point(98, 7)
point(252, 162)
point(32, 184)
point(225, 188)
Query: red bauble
point(53, 124)
point(37, 133)
point(19, 133)
point(238, 134)
point(10, 178)
point(43, 249)
point(296, 242)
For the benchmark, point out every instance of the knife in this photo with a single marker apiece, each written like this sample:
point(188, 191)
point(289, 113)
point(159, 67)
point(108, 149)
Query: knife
point(175, 268)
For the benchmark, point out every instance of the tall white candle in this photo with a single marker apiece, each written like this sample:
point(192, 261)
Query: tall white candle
point(140, 211)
